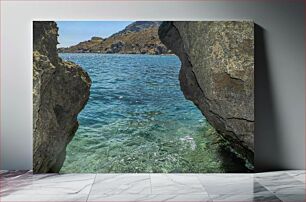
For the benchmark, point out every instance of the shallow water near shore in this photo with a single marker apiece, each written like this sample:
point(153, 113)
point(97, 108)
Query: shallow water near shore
point(138, 121)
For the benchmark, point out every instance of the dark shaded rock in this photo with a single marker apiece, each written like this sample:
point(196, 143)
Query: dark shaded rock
point(117, 46)
point(217, 74)
point(160, 50)
point(60, 91)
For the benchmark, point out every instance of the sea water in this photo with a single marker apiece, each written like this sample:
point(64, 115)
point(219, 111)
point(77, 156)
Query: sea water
point(138, 120)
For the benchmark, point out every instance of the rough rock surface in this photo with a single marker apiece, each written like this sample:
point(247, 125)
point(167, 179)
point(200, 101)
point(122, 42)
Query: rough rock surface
point(60, 91)
point(217, 74)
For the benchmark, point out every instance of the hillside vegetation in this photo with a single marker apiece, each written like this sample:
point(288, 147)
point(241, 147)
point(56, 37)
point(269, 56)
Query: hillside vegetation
point(140, 37)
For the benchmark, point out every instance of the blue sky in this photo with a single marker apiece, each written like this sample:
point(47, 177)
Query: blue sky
point(73, 32)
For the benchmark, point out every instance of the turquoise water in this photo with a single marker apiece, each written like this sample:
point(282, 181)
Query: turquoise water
point(137, 119)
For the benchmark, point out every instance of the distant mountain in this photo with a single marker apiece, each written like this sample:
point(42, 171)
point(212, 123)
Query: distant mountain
point(138, 26)
point(140, 37)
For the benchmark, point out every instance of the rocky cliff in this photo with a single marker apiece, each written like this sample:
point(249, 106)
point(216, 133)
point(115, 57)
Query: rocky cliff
point(60, 91)
point(217, 74)
point(140, 37)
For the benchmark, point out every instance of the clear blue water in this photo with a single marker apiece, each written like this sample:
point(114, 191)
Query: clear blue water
point(137, 119)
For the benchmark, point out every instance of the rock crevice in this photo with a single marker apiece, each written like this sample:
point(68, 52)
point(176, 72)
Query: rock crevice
point(60, 91)
point(217, 74)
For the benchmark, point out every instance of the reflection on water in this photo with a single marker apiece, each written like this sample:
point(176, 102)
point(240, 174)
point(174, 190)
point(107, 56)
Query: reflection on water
point(137, 120)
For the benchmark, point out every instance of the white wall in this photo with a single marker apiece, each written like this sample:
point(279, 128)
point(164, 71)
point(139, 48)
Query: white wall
point(280, 89)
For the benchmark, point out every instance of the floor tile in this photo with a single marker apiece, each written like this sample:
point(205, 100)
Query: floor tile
point(260, 189)
point(3, 171)
point(287, 189)
point(265, 198)
point(236, 184)
point(273, 175)
point(114, 184)
point(245, 198)
point(291, 197)
point(149, 198)
point(298, 175)
point(281, 183)
point(48, 184)
point(232, 198)
point(181, 198)
point(14, 173)
point(13, 181)
point(176, 184)
point(43, 198)
point(286, 186)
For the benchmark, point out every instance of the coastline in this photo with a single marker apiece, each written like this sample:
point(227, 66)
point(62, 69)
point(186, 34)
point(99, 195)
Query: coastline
point(104, 53)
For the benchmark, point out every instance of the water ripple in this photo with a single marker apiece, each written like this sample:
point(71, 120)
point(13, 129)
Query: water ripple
point(137, 119)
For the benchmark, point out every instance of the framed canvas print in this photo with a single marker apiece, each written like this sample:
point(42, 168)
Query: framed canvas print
point(143, 96)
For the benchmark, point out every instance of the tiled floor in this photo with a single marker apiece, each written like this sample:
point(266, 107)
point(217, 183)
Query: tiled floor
point(273, 186)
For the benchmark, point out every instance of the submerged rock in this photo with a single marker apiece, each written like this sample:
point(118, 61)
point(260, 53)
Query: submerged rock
point(217, 74)
point(60, 91)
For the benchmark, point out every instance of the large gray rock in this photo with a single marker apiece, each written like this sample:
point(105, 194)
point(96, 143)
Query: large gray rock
point(60, 91)
point(217, 74)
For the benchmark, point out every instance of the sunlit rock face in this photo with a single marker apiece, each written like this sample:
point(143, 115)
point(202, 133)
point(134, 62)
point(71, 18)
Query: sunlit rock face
point(217, 74)
point(60, 91)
